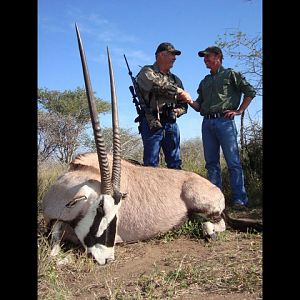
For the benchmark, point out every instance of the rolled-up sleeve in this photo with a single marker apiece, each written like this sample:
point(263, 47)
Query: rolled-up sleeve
point(243, 85)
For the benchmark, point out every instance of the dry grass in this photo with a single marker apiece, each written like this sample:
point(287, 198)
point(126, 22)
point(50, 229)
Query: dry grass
point(157, 269)
point(177, 265)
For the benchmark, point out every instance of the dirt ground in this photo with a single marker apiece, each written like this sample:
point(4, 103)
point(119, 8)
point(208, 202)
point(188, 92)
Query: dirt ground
point(179, 268)
point(146, 258)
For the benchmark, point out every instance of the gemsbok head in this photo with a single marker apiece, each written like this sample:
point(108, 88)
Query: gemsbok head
point(92, 209)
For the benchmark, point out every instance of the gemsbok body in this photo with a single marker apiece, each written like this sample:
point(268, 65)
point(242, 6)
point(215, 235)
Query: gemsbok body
point(89, 206)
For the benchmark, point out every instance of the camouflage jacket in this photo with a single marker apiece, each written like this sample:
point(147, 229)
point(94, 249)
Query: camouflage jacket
point(158, 89)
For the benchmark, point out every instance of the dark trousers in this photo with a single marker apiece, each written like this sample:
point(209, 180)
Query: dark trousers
point(167, 138)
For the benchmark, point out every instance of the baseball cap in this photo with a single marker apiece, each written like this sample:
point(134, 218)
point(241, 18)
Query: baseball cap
point(167, 47)
point(211, 49)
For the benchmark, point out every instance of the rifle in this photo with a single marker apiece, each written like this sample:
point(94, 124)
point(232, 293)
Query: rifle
point(134, 89)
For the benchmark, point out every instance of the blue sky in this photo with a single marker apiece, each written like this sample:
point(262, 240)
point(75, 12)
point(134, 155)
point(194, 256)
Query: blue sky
point(135, 28)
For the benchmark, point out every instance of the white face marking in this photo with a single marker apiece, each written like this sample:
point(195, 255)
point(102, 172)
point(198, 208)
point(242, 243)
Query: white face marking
point(110, 210)
point(208, 228)
point(220, 226)
point(84, 225)
point(102, 254)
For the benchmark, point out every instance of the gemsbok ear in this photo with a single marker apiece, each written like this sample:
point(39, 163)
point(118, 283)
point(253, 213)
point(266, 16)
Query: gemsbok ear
point(75, 201)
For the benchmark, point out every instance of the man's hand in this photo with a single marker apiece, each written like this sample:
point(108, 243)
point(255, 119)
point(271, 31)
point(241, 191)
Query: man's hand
point(231, 113)
point(154, 125)
point(176, 111)
point(185, 97)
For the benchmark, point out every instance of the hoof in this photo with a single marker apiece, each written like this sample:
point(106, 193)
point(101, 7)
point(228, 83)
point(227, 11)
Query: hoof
point(55, 250)
point(109, 260)
point(210, 237)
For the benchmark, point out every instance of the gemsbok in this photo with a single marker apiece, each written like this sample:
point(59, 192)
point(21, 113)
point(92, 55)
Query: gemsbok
point(87, 205)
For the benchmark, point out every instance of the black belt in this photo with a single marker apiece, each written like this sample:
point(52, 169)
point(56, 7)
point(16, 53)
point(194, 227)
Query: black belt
point(215, 116)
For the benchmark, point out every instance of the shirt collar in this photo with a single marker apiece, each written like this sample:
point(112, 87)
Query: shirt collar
point(156, 69)
point(221, 68)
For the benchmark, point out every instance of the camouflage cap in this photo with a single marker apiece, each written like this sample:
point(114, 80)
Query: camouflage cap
point(211, 49)
point(167, 47)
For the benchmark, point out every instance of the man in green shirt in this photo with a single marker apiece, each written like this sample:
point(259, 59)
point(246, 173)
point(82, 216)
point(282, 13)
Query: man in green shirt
point(219, 101)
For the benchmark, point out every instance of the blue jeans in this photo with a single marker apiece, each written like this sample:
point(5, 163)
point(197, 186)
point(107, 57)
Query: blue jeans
point(222, 132)
point(168, 138)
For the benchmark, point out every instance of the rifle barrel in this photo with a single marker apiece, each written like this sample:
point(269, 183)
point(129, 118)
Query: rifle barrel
point(129, 71)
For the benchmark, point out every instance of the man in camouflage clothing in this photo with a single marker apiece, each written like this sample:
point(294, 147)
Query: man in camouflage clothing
point(161, 100)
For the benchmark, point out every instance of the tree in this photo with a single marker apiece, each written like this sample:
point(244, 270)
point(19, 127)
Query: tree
point(248, 53)
point(47, 142)
point(70, 103)
point(62, 119)
point(132, 147)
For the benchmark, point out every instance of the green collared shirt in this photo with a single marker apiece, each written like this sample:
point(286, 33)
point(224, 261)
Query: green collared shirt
point(158, 89)
point(223, 90)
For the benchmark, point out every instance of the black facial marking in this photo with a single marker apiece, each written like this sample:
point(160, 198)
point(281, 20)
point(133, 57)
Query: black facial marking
point(117, 197)
point(111, 233)
point(213, 217)
point(73, 223)
point(91, 239)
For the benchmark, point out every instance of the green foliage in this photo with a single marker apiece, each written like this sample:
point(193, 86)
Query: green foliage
point(192, 228)
point(70, 103)
point(61, 122)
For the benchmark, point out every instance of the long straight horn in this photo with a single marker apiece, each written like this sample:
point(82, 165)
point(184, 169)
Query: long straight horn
point(116, 169)
point(100, 145)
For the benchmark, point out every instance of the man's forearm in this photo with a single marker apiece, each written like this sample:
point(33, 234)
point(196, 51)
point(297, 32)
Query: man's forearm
point(194, 104)
point(245, 104)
